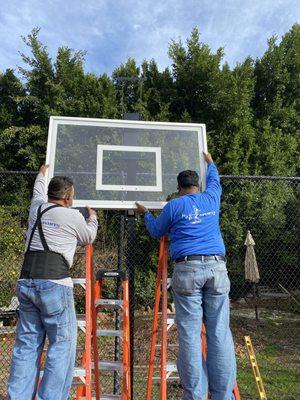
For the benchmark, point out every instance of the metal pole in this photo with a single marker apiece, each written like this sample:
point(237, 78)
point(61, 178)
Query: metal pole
point(118, 296)
point(130, 263)
point(130, 139)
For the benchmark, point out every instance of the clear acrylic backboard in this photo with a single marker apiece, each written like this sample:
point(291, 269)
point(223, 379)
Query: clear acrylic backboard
point(116, 162)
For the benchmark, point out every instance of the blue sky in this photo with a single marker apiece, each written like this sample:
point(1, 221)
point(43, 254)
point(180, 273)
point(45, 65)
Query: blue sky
point(112, 30)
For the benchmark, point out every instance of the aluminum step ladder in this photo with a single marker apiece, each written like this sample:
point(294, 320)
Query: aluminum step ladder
point(168, 369)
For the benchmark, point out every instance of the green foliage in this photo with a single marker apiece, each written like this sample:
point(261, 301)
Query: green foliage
point(11, 251)
point(145, 287)
point(276, 104)
point(11, 93)
point(26, 144)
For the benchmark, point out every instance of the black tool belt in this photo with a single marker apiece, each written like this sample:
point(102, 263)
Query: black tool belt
point(43, 264)
point(216, 257)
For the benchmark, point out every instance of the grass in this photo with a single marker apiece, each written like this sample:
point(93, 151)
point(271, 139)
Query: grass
point(280, 382)
point(275, 341)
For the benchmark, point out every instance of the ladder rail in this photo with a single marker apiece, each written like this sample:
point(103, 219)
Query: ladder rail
point(85, 388)
point(98, 295)
point(88, 316)
point(94, 293)
point(126, 342)
point(154, 334)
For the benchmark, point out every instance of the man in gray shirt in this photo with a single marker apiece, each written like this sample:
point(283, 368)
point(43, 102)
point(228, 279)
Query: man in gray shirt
point(45, 292)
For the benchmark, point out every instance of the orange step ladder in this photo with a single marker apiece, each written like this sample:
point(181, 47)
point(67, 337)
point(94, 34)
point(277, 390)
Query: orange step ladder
point(88, 388)
point(82, 377)
point(161, 295)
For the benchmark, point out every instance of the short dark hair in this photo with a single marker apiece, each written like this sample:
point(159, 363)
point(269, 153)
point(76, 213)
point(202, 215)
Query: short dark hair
point(59, 186)
point(188, 178)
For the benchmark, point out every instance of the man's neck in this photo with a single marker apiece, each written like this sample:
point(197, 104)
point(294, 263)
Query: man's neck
point(192, 190)
point(57, 201)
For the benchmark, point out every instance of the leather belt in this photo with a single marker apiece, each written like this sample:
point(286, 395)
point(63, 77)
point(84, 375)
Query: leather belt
point(209, 257)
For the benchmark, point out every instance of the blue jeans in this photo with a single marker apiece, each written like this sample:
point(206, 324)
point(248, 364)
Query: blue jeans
point(201, 295)
point(46, 309)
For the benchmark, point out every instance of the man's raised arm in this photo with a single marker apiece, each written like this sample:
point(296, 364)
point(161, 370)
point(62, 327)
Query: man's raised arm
point(213, 186)
point(39, 195)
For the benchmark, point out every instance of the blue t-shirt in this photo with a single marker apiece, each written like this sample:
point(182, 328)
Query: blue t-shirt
point(191, 221)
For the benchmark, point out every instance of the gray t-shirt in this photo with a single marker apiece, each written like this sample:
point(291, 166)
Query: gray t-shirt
point(63, 227)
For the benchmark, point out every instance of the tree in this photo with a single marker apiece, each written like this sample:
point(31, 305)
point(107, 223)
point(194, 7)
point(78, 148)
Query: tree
point(276, 104)
point(221, 98)
point(196, 74)
point(158, 91)
point(128, 84)
point(11, 94)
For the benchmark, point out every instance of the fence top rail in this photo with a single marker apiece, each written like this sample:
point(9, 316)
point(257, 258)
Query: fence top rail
point(246, 177)
point(262, 177)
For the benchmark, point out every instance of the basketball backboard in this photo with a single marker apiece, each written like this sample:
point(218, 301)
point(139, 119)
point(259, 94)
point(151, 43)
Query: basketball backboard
point(116, 162)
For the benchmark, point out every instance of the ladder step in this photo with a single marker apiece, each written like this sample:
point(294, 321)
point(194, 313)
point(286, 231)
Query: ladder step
point(78, 349)
point(81, 324)
point(111, 365)
point(170, 378)
point(171, 366)
point(109, 303)
point(109, 332)
point(79, 372)
point(78, 281)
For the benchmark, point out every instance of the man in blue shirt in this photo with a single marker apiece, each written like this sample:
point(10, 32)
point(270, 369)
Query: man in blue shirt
point(200, 284)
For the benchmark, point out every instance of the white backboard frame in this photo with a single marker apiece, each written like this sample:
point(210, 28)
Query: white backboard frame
point(54, 121)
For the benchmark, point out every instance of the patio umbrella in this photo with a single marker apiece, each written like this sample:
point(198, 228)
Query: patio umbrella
point(251, 267)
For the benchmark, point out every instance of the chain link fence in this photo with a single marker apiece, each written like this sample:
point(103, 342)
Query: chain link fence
point(267, 206)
